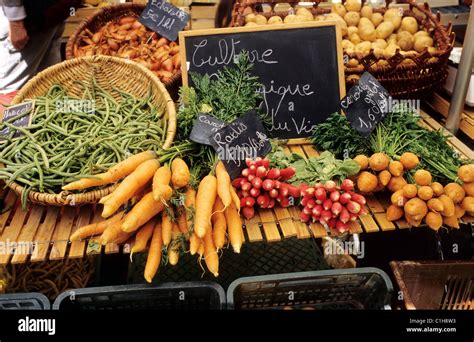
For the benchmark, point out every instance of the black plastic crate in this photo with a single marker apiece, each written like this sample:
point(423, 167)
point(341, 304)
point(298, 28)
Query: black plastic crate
point(169, 296)
point(24, 301)
point(255, 258)
point(358, 288)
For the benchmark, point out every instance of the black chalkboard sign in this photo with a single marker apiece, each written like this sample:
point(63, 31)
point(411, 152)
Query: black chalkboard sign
point(18, 115)
point(243, 138)
point(205, 126)
point(299, 65)
point(366, 104)
point(164, 18)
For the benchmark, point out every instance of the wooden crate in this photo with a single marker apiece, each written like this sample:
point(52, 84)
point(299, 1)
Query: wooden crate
point(202, 24)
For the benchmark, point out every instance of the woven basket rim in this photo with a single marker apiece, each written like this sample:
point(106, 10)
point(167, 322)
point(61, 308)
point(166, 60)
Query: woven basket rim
point(128, 6)
point(67, 198)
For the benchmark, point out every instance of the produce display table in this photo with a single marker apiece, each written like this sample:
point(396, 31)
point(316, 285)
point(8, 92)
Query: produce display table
point(49, 227)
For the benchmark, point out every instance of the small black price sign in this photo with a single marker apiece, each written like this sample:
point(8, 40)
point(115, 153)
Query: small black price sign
point(243, 138)
point(366, 104)
point(204, 126)
point(164, 18)
point(19, 115)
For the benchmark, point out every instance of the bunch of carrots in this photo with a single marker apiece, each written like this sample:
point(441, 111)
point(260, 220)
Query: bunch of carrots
point(166, 212)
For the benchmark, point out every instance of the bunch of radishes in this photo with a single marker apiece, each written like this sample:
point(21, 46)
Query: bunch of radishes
point(332, 205)
point(264, 186)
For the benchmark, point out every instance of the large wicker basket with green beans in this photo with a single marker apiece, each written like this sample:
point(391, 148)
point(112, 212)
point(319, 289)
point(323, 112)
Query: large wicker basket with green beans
point(89, 114)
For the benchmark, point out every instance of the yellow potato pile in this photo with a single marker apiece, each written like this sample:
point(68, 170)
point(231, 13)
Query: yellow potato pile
point(363, 30)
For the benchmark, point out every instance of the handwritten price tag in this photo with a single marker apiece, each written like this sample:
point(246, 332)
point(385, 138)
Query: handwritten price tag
point(205, 126)
point(19, 115)
point(366, 104)
point(164, 18)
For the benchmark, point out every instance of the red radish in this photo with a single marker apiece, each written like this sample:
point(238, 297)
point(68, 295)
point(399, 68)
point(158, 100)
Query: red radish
point(344, 216)
point(332, 223)
point(330, 185)
point(307, 210)
point(239, 193)
point(261, 172)
point(253, 169)
point(280, 197)
point(284, 189)
point(304, 217)
point(268, 184)
point(336, 208)
point(353, 207)
point(273, 193)
point(277, 184)
point(304, 201)
point(308, 192)
point(311, 203)
point(246, 172)
point(254, 192)
point(318, 186)
point(273, 174)
point(327, 204)
point(257, 183)
point(245, 194)
point(266, 163)
point(287, 173)
point(362, 211)
point(326, 215)
point(342, 226)
point(263, 200)
point(247, 202)
point(347, 185)
point(271, 204)
point(249, 162)
point(237, 182)
point(251, 178)
point(303, 188)
point(248, 212)
point(320, 195)
point(285, 202)
point(294, 191)
point(345, 198)
point(317, 210)
point(358, 198)
point(246, 186)
point(353, 216)
point(258, 161)
point(334, 196)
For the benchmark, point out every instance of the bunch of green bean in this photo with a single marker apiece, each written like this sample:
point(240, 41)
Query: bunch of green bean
point(62, 145)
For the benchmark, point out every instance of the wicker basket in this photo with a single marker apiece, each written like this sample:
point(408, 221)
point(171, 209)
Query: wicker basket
point(403, 76)
point(109, 72)
point(106, 14)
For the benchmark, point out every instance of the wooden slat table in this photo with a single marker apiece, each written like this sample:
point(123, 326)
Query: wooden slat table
point(49, 228)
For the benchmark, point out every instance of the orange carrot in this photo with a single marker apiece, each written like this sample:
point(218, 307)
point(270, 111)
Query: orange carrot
point(95, 228)
point(210, 254)
point(174, 248)
point(190, 205)
point(219, 224)
point(234, 228)
point(201, 249)
point(205, 199)
point(167, 225)
point(143, 235)
point(235, 198)
point(179, 173)
point(161, 178)
point(194, 243)
point(223, 184)
point(182, 222)
point(112, 233)
point(129, 186)
point(142, 212)
point(154, 254)
point(117, 172)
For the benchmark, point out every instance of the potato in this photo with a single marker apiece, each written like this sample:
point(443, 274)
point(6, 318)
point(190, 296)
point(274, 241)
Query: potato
point(354, 78)
point(336, 17)
point(409, 24)
point(290, 18)
point(353, 5)
point(300, 18)
point(355, 38)
point(367, 33)
point(351, 30)
point(432, 49)
point(250, 18)
point(363, 22)
point(363, 47)
point(455, 192)
point(376, 19)
point(382, 63)
point(422, 43)
point(392, 39)
point(391, 49)
point(421, 34)
point(304, 11)
point(347, 44)
point(380, 44)
point(260, 19)
point(406, 44)
point(251, 23)
point(352, 18)
point(319, 18)
point(275, 20)
point(384, 30)
point(353, 63)
point(339, 9)
point(366, 11)
point(393, 15)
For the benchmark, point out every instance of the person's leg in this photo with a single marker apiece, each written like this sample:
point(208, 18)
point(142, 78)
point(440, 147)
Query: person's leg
point(53, 56)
